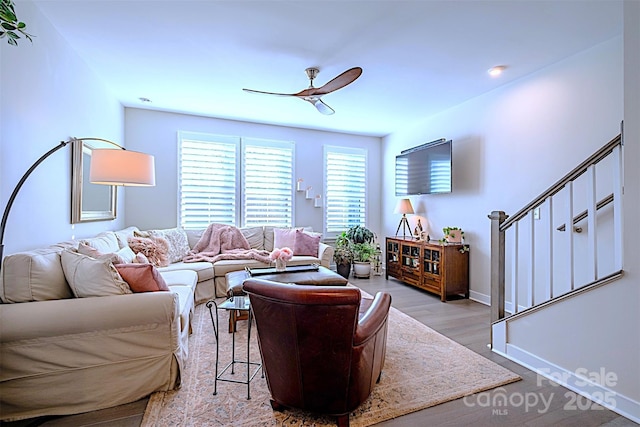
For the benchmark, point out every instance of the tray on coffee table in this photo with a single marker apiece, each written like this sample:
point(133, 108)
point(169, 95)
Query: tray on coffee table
point(261, 271)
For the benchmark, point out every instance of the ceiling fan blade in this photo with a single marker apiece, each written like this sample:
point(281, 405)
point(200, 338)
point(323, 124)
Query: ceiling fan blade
point(321, 106)
point(340, 81)
point(259, 92)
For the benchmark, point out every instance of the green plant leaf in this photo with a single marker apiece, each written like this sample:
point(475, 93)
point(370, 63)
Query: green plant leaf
point(8, 26)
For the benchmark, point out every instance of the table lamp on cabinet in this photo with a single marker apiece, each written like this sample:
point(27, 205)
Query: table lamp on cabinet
point(404, 207)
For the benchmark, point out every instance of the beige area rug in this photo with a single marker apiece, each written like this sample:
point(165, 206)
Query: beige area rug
point(422, 368)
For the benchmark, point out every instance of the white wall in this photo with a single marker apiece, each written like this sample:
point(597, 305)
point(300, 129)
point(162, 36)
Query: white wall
point(48, 94)
point(511, 144)
point(155, 132)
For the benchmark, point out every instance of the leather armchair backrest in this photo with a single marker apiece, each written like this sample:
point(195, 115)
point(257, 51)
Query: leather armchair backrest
point(306, 336)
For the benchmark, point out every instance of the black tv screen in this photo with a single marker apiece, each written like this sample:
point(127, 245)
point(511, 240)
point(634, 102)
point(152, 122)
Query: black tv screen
point(425, 169)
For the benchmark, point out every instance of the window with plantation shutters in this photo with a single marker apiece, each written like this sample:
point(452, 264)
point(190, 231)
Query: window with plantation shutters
point(235, 181)
point(267, 173)
point(208, 180)
point(345, 188)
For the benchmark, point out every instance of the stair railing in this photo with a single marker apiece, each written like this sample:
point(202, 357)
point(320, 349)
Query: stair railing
point(524, 221)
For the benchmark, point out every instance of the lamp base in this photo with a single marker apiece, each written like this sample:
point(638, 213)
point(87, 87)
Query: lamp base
point(404, 223)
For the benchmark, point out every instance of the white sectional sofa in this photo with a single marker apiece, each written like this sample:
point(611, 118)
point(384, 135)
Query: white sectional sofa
point(61, 354)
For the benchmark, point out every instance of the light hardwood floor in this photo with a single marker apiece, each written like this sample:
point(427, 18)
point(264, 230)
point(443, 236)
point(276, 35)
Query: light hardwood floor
point(462, 320)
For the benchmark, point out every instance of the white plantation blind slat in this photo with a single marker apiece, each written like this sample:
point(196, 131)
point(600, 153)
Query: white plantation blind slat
point(345, 183)
point(267, 183)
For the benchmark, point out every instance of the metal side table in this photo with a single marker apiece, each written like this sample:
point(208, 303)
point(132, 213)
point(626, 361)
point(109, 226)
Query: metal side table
point(239, 303)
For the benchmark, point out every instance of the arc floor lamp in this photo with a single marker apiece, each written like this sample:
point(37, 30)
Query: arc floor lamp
point(117, 166)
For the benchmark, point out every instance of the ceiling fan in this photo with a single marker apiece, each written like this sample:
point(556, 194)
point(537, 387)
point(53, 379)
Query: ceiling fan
point(313, 94)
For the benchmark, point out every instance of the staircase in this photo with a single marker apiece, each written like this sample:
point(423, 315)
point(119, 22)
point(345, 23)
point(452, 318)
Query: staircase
point(549, 264)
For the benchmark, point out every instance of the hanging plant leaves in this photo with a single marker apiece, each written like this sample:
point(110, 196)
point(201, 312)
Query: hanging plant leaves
point(10, 25)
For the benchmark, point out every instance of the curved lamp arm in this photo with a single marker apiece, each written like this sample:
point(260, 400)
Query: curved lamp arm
point(12, 198)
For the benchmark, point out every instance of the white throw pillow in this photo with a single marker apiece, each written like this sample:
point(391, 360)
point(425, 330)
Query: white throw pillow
point(104, 242)
point(91, 277)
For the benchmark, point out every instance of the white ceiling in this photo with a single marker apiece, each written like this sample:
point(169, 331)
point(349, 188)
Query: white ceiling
point(418, 57)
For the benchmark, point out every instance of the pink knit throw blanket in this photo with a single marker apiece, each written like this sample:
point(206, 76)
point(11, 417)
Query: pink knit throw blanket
point(220, 241)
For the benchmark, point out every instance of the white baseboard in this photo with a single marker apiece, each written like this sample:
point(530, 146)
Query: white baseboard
point(598, 393)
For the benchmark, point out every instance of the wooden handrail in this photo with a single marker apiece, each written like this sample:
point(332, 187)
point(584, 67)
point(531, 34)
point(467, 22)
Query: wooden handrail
point(555, 188)
point(585, 213)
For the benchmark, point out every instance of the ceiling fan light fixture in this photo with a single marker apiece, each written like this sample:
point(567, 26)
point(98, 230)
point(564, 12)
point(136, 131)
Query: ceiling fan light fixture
point(497, 70)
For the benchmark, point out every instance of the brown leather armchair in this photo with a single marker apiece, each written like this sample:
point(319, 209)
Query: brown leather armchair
point(322, 350)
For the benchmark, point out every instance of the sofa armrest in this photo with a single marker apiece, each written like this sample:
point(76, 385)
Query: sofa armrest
point(73, 316)
point(373, 319)
point(325, 254)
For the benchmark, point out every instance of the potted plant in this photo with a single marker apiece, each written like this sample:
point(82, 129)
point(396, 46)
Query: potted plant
point(452, 235)
point(360, 234)
point(343, 255)
point(362, 255)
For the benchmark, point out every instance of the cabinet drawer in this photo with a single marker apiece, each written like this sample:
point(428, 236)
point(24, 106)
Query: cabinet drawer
point(412, 279)
point(431, 284)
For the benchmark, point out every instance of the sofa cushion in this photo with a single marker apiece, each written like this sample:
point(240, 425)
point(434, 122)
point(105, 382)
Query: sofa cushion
point(123, 256)
point(91, 277)
point(203, 269)
point(306, 243)
point(123, 236)
point(34, 275)
point(193, 236)
point(105, 242)
point(255, 236)
point(142, 277)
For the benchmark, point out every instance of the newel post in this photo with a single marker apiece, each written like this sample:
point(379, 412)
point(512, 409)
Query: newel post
point(497, 265)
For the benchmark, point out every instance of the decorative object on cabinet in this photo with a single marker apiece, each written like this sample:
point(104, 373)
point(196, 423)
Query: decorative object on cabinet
point(440, 268)
point(317, 201)
point(404, 207)
point(108, 166)
point(308, 193)
point(299, 184)
point(452, 235)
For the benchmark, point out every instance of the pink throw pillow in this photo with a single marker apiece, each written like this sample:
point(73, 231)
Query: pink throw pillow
point(142, 277)
point(156, 249)
point(306, 244)
point(284, 238)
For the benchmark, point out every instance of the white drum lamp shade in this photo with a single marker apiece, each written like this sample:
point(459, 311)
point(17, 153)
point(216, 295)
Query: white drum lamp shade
point(122, 167)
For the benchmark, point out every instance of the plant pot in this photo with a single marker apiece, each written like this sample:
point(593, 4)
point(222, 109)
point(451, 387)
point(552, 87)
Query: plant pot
point(344, 270)
point(454, 236)
point(361, 270)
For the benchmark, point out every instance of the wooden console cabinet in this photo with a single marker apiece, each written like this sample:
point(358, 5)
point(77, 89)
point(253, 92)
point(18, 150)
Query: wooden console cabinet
point(441, 268)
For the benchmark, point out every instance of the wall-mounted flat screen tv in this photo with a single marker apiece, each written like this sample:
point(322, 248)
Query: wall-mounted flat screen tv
point(425, 169)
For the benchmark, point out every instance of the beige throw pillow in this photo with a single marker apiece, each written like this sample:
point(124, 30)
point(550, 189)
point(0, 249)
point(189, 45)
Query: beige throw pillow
point(91, 277)
point(105, 242)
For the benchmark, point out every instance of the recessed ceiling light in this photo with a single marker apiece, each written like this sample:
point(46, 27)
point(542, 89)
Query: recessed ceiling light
point(144, 99)
point(497, 70)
